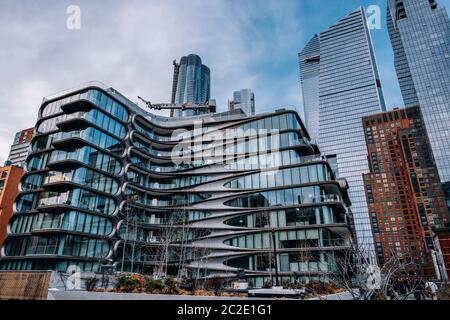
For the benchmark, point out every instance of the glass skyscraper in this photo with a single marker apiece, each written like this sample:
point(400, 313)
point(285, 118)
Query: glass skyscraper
point(309, 62)
point(192, 83)
point(339, 68)
point(420, 37)
point(243, 99)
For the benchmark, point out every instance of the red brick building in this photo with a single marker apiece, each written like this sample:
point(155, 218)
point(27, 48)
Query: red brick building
point(9, 183)
point(405, 197)
point(19, 148)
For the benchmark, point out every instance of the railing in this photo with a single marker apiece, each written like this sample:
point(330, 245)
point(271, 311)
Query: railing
point(174, 168)
point(42, 249)
point(66, 135)
point(75, 115)
point(77, 88)
point(154, 136)
point(61, 199)
point(321, 199)
point(53, 178)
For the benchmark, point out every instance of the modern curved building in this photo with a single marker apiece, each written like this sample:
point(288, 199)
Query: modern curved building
point(198, 196)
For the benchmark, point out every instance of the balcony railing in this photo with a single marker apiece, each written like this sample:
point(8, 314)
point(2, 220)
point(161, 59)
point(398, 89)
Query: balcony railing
point(61, 199)
point(54, 177)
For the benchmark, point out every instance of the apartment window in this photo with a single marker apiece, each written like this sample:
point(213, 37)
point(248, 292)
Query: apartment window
point(2, 184)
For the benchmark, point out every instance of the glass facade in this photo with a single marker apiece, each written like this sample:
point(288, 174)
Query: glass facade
point(338, 68)
point(309, 63)
point(71, 221)
point(245, 100)
point(287, 197)
point(289, 218)
point(420, 37)
point(282, 177)
point(103, 186)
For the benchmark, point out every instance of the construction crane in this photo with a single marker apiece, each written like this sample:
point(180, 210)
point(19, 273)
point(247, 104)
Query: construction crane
point(210, 106)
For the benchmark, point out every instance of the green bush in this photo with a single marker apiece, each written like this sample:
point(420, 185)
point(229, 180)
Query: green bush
point(128, 283)
point(153, 285)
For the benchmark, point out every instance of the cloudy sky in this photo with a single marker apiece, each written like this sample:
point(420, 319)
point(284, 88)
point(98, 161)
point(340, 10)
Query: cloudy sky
point(130, 45)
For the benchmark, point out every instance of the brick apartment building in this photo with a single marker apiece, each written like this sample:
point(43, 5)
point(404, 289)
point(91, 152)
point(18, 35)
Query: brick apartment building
point(405, 196)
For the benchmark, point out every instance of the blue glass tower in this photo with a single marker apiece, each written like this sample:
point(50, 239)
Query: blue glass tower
point(193, 83)
point(340, 85)
point(309, 62)
point(420, 37)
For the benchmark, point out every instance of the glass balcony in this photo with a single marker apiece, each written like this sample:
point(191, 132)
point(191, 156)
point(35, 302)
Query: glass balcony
point(55, 177)
point(61, 199)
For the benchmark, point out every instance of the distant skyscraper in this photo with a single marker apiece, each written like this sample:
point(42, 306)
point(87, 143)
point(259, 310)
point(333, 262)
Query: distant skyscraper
point(338, 68)
point(420, 36)
point(404, 193)
point(192, 83)
point(245, 100)
point(19, 148)
point(309, 62)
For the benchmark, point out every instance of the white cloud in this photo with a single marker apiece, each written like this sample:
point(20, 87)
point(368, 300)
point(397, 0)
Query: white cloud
point(130, 46)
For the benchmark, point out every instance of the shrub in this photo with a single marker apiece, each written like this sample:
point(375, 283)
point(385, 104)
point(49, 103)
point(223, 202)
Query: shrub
point(153, 285)
point(129, 283)
point(170, 283)
point(322, 287)
point(203, 292)
point(183, 292)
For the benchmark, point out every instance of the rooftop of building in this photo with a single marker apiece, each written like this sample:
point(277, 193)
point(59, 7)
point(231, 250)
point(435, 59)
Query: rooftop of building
point(164, 121)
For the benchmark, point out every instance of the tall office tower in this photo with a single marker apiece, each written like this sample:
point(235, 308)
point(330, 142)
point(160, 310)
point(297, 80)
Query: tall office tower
point(420, 36)
point(404, 194)
point(19, 148)
point(348, 88)
point(105, 176)
point(244, 100)
point(192, 83)
point(9, 184)
point(309, 62)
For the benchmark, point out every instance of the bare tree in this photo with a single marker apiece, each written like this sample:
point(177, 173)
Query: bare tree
point(397, 279)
